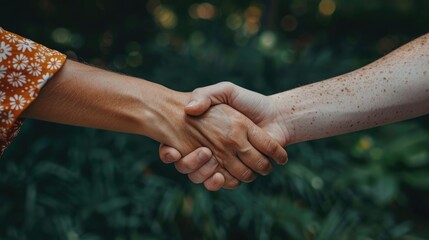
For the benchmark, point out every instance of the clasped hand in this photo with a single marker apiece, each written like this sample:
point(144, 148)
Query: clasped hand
point(234, 147)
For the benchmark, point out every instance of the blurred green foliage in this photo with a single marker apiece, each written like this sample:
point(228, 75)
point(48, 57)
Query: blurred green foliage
point(61, 182)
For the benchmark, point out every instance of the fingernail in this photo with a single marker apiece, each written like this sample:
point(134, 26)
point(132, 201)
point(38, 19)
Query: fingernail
point(169, 159)
point(192, 103)
point(287, 159)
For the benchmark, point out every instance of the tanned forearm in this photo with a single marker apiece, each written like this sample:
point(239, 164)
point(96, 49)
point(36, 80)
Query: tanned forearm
point(86, 96)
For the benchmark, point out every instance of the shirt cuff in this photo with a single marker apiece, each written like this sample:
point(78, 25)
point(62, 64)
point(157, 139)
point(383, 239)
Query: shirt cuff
point(25, 67)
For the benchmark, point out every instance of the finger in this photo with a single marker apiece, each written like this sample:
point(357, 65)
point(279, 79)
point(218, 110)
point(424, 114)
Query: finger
point(255, 160)
point(202, 98)
point(193, 161)
point(230, 181)
point(266, 145)
point(198, 104)
point(168, 154)
point(238, 170)
point(215, 182)
point(204, 172)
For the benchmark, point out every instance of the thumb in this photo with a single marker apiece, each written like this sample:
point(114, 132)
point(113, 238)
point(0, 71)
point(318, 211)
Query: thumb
point(198, 104)
point(203, 98)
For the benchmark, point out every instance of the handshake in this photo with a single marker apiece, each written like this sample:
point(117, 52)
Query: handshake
point(239, 139)
point(223, 134)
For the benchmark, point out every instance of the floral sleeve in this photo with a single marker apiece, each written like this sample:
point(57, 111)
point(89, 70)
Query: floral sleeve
point(25, 67)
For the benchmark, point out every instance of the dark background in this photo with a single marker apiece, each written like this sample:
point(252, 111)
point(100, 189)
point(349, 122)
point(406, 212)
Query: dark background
point(61, 182)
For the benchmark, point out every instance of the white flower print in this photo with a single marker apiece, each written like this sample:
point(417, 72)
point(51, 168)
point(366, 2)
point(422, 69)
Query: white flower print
point(46, 51)
point(17, 102)
point(2, 96)
point(26, 45)
point(39, 57)
point(32, 92)
point(11, 38)
point(34, 69)
point(2, 71)
point(20, 62)
point(16, 79)
point(5, 50)
point(9, 118)
point(41, 82)
point(25, 67)
point(54, 63)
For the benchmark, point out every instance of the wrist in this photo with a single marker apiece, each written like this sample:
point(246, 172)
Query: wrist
point(162, 113)
point(283, 115)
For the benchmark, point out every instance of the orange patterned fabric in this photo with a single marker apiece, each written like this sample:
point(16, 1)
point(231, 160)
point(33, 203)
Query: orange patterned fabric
point(25, 67)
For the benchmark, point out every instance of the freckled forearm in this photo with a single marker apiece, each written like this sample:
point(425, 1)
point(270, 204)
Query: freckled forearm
point(394, 88)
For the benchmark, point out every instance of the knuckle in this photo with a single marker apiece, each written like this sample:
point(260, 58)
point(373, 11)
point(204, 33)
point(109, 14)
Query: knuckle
point(196, 177)
point(196, 90)
point(271, 147)
point(264, 166)
point(206, 171)
point(245, 150)
point(182, 167)
point(246, 175)
point(232, 184)
point(226, 85)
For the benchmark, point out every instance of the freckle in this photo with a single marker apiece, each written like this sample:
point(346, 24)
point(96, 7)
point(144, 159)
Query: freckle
point(427, 90)
point(293, 109)
point(358, 106)
point(320, 94)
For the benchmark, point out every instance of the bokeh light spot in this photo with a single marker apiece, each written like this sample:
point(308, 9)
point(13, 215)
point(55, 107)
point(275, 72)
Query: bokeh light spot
point(253, 16)
point(317, 183)
point(204, 11)
point(365, 143)
point(327, 7)
point(165, 17)
point(61, 35)
point(267, 40)
point(234, 21)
